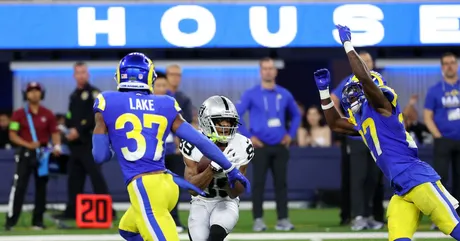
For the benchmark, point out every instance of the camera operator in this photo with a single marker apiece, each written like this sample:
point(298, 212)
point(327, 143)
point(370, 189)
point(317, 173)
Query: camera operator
point(31, 128)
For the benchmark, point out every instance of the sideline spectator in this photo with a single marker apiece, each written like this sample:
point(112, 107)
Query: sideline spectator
point(174, 77)
point(32, 157)
point(442, 117)
point(160, 85)
point(416, 129)
point(80, 121)
point(315, 132)
point(267, 104)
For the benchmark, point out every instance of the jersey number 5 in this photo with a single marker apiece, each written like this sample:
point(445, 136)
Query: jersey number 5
point(136, 134)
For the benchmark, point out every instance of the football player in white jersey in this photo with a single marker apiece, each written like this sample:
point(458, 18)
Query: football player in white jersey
point(213, 217)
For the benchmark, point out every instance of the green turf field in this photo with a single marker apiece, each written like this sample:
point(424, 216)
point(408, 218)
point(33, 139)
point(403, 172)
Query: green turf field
point(305, 220)
point(308, 222)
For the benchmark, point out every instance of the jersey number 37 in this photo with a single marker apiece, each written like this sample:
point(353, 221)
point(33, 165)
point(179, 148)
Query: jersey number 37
point(156, 123)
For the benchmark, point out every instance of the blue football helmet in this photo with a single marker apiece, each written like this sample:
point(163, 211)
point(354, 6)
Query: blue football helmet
point(353, 95)
point(135, 72)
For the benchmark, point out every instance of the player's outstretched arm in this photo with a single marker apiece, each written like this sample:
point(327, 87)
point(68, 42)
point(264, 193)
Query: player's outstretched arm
point(373, 93)
point(101, 143)
point(200, 180)
point(186, 131)
point(335, 121)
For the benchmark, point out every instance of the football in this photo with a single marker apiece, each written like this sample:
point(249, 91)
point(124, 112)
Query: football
point(203, 164)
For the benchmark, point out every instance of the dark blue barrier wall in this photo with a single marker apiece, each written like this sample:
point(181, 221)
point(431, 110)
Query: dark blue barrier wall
point(310, 169)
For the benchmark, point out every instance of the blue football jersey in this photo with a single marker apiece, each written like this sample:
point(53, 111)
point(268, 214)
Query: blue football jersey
point(393, 149)
point(138, 125)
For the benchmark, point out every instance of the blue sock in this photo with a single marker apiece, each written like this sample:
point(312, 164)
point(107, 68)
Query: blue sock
point(403, 239)
point(456, 232)
point(130, 236)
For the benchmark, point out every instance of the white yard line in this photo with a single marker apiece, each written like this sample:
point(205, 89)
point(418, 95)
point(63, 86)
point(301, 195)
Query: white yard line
point(236, 236)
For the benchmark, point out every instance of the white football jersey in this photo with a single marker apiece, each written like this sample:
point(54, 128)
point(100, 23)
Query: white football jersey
point(244, 149)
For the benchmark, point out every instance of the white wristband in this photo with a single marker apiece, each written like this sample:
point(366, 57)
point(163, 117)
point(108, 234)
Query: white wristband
point(328, 106)
point(324, 94)
point(215, 166)
point(348, 46)
point(230, 169)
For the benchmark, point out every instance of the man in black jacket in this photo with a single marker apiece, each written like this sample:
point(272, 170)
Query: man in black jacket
point(80, 122)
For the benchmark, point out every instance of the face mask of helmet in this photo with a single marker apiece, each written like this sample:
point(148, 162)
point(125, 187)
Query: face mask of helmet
point(223, 129)
point(353, 97)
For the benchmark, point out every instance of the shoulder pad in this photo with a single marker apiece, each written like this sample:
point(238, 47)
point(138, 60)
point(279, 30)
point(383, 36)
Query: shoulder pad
point(100, 102)
point(174, 102)
point(390, 94)
point(190, 151)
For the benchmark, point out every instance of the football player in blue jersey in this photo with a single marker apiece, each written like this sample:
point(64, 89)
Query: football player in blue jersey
point(375, 115)
point(135, 123)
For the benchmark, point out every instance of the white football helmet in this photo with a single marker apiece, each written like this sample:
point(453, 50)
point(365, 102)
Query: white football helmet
point(218, 119)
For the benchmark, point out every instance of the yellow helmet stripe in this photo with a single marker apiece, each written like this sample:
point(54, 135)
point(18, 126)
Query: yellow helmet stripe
point(118, 73)
point(151, 71)
point(374, 75)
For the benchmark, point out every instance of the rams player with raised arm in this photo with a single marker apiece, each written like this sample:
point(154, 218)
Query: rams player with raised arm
point(213, 216)
point(376, 116)
point(135, 123)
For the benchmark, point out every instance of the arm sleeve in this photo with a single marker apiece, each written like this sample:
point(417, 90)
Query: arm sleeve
point(101, 148)
point(430, 100)
point(14, 123)
point(295, 115)
point(242, 106)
